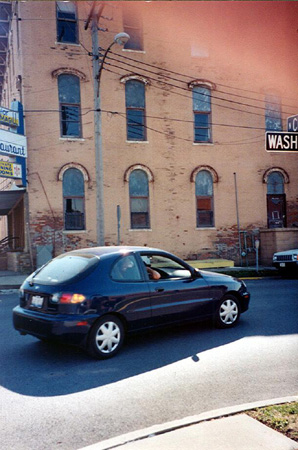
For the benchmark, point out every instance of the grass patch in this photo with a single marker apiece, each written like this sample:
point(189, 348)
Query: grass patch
point(282, 418)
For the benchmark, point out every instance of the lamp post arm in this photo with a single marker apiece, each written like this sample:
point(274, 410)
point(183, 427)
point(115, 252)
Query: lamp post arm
point(101, 66)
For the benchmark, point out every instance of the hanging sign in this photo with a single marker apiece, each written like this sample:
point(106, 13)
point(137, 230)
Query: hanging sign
point(13, 144)
point(10, 170)
point(9, 117)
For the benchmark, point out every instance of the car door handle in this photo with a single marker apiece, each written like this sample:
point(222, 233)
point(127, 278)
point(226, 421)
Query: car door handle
point(159, 289)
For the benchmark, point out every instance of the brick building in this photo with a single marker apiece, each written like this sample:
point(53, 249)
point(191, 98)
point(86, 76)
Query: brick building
point(180, 160)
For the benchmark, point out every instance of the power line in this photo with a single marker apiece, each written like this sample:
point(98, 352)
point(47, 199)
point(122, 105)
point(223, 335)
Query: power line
point(191, 77)
point(180, 87)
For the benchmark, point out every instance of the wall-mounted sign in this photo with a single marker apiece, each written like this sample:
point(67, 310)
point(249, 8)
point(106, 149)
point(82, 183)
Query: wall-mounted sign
point(281, 141)
point(293, 123)
point(13, 144)
point(10, 170)
point(9, 117)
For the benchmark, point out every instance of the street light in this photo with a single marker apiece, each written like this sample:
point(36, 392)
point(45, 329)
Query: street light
point(120, 39)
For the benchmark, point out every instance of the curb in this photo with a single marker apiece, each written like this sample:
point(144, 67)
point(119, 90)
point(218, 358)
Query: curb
point(156, 430)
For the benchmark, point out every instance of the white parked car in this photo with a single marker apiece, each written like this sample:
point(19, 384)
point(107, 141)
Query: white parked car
point(286, 261)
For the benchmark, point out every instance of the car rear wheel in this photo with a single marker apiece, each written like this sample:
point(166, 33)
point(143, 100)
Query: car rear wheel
point(228, 312)
point(106, 337)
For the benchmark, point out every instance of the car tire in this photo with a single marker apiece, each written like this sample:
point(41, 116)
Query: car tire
point(106, 337)
point(228, 312)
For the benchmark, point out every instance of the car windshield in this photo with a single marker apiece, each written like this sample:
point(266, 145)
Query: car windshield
point(66, 268)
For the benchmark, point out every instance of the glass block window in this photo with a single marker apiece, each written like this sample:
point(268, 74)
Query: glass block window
point(70, 105)
point(74, 199)
point(201, 97)
point(135, 110)
point(139, 199)
point(273, 120)
point(67, 23)
point(204, 199)
point(132, 25)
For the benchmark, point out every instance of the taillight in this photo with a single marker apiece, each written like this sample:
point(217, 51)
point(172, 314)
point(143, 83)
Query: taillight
point(68, 298)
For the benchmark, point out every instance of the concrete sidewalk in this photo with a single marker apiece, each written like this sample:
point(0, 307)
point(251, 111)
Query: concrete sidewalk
point(11, 280)
point(226, 429)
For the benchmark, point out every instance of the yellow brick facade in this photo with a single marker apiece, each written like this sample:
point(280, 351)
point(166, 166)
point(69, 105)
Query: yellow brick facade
point(243, 49)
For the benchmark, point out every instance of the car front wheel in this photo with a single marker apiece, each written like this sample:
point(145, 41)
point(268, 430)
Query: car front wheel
point(106, 337)
point(228, 312)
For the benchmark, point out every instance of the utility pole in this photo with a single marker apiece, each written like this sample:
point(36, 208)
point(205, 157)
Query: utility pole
point(94, 17)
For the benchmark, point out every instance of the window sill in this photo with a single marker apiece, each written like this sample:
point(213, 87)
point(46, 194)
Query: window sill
point(203, 143)
point(68, 43)
point(137, 142)
point(205, 228)
point(140, 229)
point(72, 139)
point(131, 50)
point(74, 231)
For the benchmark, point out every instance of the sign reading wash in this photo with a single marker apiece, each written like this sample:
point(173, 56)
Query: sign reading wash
point(13, 144)
point(281, 141)
point(10, 170)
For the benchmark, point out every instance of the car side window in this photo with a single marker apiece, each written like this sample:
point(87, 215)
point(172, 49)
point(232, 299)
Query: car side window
point(126, 269)
point(165, 267)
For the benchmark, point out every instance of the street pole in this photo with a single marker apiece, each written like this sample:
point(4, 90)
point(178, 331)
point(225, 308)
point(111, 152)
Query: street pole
point(238, 222)
point(100, 234)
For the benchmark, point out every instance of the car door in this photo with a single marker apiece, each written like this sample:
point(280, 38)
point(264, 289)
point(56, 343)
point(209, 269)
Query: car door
point(129, 294)
point(177, 295)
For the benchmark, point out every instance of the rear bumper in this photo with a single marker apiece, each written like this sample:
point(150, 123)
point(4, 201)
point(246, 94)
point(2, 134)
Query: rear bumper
point(69, 329)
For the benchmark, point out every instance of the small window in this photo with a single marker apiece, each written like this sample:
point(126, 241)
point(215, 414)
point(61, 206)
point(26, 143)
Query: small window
point(126, 269)
point(70, 105)
point(202, 113)
point(67, 24)
point(73, 200)
point(139, 199)
point(135, 110)
point(273, 120)
point(133, 27)
point(204, 199)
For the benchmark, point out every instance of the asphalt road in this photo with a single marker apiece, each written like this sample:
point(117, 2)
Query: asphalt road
point(56, 397)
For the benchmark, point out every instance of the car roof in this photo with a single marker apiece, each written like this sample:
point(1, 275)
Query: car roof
point(121, 249)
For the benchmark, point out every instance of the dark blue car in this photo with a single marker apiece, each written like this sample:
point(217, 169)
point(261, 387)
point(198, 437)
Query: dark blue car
point(93, 297)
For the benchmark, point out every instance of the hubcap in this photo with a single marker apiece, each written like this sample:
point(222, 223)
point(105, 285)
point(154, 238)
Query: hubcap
point(108, 337)
point(228, 312)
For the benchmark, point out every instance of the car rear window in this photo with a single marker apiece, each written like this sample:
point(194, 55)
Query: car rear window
point(66, 268)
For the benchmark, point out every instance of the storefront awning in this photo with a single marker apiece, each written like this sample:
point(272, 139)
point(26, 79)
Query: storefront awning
point(8, 200)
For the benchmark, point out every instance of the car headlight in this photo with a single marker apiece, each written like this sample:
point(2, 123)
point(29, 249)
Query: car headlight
point(274, 257)
point(295, 257)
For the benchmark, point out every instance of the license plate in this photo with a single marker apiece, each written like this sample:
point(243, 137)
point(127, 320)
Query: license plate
point(282, 264)
point(37, 301)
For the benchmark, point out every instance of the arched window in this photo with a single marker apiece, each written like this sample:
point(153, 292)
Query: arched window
point(275, 183)
point(204, 199)
point(135, 110)
point(74, 199)
point(70, 105)
point(139, 199)
point(67, 22)
point(201, 98)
